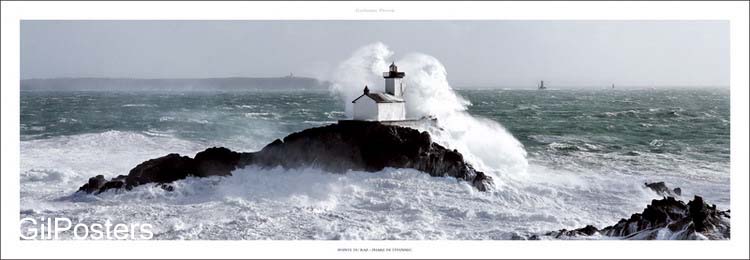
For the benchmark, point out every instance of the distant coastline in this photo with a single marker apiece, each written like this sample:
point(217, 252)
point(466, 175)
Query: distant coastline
point(228, 83)
point(257, 83)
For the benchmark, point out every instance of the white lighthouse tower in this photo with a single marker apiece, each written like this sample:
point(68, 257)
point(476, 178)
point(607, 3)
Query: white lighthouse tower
point(382, 106)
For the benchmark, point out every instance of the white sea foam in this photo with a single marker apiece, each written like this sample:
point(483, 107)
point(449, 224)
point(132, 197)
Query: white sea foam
point(66, 120)
point(309, 203)
point(109, 153)
point(262, 115)
point(139, 105)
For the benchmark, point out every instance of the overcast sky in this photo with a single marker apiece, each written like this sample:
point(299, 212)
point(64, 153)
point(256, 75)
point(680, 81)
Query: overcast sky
point(475, 53)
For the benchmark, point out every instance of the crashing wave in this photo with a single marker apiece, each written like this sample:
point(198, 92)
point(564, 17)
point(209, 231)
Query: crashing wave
point(485, 143)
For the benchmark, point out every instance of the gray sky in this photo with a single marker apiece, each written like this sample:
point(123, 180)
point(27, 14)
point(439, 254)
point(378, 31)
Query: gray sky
point(475, 53)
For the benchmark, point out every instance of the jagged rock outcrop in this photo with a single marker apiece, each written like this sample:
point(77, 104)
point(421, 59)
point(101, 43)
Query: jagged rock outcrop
point(588, 230)
point(662, 189)
point(348, 145)
point(666, 218)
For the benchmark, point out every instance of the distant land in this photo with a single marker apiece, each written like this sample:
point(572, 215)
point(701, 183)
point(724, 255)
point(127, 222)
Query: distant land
point(230, 83)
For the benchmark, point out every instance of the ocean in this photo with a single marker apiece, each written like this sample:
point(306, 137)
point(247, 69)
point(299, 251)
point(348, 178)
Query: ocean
point(582, 157)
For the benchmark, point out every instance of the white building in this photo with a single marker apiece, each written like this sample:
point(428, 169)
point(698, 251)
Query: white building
point(387, 106)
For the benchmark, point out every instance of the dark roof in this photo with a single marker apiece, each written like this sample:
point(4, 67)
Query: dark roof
point(380, 98)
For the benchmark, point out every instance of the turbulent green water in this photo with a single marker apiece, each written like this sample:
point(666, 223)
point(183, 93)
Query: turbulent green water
point(617, 128)
point(197, 116)
point(680, 136)
point(693, 124)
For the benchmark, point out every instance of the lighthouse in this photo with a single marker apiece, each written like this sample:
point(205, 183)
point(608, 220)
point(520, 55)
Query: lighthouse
point(393, 84)
point(382, 106)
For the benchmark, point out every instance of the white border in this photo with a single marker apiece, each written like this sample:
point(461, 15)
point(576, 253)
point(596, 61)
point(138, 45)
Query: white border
point(735, 12)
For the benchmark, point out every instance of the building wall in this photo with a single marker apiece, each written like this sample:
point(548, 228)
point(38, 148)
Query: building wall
point(393, 86)
point(365, 109)
point(391, 111)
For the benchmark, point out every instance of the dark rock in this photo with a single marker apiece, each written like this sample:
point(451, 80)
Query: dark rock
point(694, 220)
point(164, 169)
point(589, 230)
point(662, 189)
point(94, 184)
point(348, 145)
point(701, 214)
point(368, 146)
point(117, 184)
point(216, 161)
point(482, 182)
point(167, 187)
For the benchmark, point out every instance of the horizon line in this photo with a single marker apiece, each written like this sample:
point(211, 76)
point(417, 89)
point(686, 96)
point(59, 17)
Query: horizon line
point(456, 85)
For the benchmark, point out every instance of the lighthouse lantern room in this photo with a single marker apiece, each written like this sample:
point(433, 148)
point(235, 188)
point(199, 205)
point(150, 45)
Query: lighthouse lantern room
point(382, 106)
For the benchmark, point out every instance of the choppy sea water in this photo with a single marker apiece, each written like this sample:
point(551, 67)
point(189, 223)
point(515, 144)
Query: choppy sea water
point(589, 153)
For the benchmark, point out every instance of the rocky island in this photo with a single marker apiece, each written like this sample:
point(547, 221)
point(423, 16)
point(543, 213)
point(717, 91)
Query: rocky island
point(337, 148)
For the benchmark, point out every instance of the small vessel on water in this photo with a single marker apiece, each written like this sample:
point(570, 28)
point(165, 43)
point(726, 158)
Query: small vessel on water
point(541, 85)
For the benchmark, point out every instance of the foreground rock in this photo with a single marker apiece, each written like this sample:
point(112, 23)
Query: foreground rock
point(664, 219)
point(351, 145)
